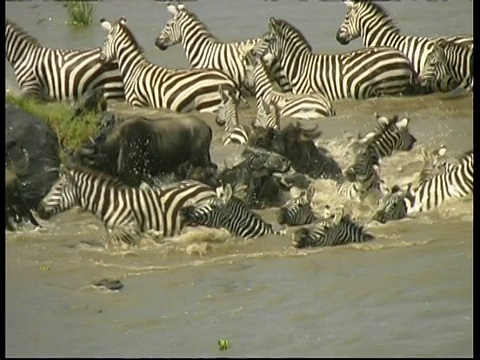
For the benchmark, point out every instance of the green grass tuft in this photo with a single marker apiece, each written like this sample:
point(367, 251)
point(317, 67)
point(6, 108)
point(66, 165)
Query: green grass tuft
point(73, 132)
point(80, 13)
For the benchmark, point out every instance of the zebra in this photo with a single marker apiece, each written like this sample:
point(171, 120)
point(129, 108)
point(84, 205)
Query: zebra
point(126, 212)
point(454, 181)
point(227, 211)
point(449, 61)
point(227, 116)
point(391, 134)
point(306, 106)
point(149, 85)
point(371, 22)
point(58, 74)
point(392, 206)
point(204, 50)
point(298, 210)
point(362, 177)
point(361, 74)
point(338, 229)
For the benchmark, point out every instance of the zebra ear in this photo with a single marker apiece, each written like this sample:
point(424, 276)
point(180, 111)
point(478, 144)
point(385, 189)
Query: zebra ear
point(222, 94)
point(295, 192)
point(310, 192)
point(172, 9)
point(181, 7)
point(442, 151)
point(403, 123)
point(382, 120)
point(349, 3)
point(227, 192)
point(425, 154)
point(273, 24)
point(122, 20)
point(105, 24)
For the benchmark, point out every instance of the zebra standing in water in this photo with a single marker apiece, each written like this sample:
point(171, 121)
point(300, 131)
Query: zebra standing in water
point(448, 61)
point(298, 210)
point(58, 74)
point(229, 212)
point(299, 106)
point(370, 21)
point(126, 212)
point(149, 85)
point(227, 116)
point(203, 50)
point(391, 134)
point(360, 74)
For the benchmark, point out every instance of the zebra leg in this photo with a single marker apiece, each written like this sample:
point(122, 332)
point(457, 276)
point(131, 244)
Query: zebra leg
point(123, 236)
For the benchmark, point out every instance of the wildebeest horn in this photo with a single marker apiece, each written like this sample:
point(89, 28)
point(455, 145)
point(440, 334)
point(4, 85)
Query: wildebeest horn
point(51, 169)
point(84, 151)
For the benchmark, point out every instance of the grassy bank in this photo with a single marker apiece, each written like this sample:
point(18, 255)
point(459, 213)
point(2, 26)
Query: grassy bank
point(59, 116)
point(80, 13)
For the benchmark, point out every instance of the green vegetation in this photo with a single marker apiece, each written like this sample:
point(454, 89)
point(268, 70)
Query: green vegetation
point(80, 12)
point(72, 131)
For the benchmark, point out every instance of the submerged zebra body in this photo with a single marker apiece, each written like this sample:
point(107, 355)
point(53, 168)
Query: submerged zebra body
point(149, 85)
point(449, 62)
point(455, 181)
point(370, 21)
point(58, 74)
point(300, 106)
point(390, 135)
point(126, 212)
point(205, 51)
point(298, 210)
point(360, 74)
point(226, 211)
point(337, 230)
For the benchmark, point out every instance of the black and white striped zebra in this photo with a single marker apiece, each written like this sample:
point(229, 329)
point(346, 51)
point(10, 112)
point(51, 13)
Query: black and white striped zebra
point(58, 74)
point(455, 181)
point(390, 135)
point(149, 85)
point(227, 116)
point(361, 74)
point(299, 106)
point(228, 212)
point(204, 50)
point(371, 22)
point(362, 177)
point(298, 210)
point(337, 230)
point(126, 212)
point(449, 61)
point(392, 206)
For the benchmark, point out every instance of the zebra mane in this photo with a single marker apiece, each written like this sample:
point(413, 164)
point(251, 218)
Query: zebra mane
point(379, 9)
point(105, 178)
point(284, 24)
point(202, 26)
point(465, 154)
point(132, 37)
point(21, 32)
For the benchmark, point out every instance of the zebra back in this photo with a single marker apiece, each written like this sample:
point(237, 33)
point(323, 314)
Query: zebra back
point(58, 74)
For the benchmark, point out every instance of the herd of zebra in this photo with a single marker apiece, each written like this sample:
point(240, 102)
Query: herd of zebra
point(390, 64)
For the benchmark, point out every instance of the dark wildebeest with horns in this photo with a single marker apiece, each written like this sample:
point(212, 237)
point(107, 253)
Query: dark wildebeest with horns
point(16, 207)
point(296, 143)
point(137, 149)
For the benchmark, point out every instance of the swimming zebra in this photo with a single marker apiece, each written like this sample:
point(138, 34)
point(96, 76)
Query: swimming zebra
point(149, 85)
point(298, 210)
point(362, 177)
point(126, 212)
point(299, 106)
point(227, 116)
point(339, 229)
point(455, 181)
point(448, 61)
point(58, 74)
point(227, 211)
point(360, 74)
point(204, 50)
point(391, 134)
point(392, 206)
point(370, 21)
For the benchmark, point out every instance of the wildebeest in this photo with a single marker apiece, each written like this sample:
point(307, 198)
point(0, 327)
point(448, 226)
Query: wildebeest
point(90, 101)
point(256, 174)
point(295, 142)
point(139, 148)
point(16, 208)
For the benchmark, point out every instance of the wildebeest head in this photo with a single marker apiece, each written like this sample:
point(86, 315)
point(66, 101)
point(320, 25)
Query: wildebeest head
point(16, 158)
point(207, 175)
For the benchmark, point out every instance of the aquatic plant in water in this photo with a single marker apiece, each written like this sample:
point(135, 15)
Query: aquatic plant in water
point(80, 13)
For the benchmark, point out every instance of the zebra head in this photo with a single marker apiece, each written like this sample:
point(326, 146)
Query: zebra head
point(298, 210)
point(434, 66)
point(364, 171)
point(392, 206)
point(172, 32)
point(109, 48)
point(268, 115)
point(434, 163)
point(61, 197)
point(227, 111)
